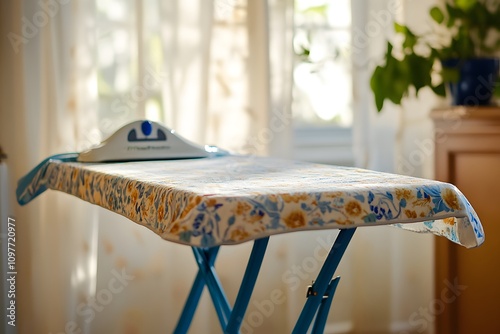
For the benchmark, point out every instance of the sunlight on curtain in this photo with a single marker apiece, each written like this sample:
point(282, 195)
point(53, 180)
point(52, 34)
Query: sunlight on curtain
point(50, 112)
point(203, 69)
point(323, 72)
point(218, 72)
point(403, 281)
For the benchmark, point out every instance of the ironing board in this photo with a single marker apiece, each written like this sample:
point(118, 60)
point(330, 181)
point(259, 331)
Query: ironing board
point(217, 201)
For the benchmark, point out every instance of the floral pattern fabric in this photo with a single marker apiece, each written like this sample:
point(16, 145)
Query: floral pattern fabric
point(233, 199)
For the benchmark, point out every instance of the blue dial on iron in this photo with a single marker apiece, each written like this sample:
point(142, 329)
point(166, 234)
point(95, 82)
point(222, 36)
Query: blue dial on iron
point(146, 128)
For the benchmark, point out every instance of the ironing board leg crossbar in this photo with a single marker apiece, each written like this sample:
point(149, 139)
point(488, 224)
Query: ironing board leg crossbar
point(319, 295)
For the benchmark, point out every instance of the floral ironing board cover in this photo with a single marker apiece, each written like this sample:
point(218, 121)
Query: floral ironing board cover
point(232, 199)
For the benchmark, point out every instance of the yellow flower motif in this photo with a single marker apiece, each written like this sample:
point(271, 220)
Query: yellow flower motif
point(294, 198)
point(422, 202)
point(404, 193)
point(133, 196)
point(449, 221)
point(254, 218)
point(151, 200)
point(353, 208)
point(239, 234)
point(334, 194)
point(211, 202)
point(175, 229)
point(295, 219)
point(161, 213)
point(344, 222)
point(175, 211)
point(242, 208)
point(161, 229)
point(81, 191)
point(450, 199)
point(193, 202)
point(97, 197)
point(410, 213)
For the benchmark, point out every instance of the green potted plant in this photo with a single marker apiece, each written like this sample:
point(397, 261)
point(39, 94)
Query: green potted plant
point(459, 51)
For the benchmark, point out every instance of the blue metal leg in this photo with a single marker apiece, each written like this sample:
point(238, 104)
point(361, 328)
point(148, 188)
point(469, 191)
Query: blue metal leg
point(318, 303)
point(219, 299)
point(320, 285)
point(247, 285)
point(324, 308)
point(230, 320)
point(194, 296)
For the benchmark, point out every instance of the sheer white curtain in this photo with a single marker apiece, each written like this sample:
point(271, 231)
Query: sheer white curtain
point(219, 87)
point(210, 95)
point(400, 265)
point(48, 102)
point(225, 79)
point(239, 54)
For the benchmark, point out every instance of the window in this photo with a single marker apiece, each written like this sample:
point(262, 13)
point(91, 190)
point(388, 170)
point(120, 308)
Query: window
point(131, 59)
point(322, 75)
point(131, 69)
point(128, 75)
point(322, 92)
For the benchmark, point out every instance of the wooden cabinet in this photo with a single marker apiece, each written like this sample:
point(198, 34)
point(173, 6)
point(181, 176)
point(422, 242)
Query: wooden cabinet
point(467, 154)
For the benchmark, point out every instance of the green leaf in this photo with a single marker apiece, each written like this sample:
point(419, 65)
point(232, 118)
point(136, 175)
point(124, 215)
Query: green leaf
point(465, 44)
point(377, 88)
point(397, 79)
point(439, 90)
point(437, 14)
point(404, 30)
point(400, 28)
point(474, 27)
point(393, 80)
point(496, 90)
point(495, 14)
point(321, 10)
point(451, 22)
point(450, 74)
point(420, 71)
point(465, 5)
point(410, 41)
point(410, 38)
point(389, 50)
point(455, 12)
